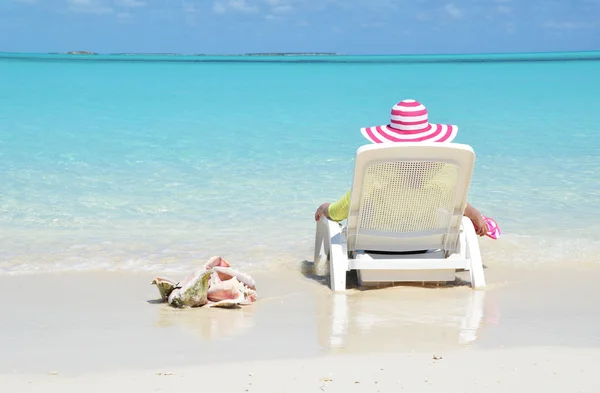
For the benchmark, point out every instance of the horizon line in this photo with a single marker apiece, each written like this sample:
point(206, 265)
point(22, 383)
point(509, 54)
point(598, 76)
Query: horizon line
point(292, 53)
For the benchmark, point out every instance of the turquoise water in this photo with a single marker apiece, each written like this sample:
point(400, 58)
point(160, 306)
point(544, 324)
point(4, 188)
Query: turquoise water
point(157, 163)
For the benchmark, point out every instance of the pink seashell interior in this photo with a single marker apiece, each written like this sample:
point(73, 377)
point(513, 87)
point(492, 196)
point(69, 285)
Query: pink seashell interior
point(216, 284)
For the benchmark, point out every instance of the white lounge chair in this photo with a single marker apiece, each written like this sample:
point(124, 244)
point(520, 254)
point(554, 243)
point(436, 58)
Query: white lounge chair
point(395, 215)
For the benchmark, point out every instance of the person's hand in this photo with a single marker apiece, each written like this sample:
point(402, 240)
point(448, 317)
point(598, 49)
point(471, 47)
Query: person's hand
point(322, 211)
point(481, 227)
point(477, 219)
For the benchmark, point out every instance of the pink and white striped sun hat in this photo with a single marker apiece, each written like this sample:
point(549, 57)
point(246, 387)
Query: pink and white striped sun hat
point(410, 123)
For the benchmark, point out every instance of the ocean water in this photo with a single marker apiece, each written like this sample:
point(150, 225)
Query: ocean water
point(157, 163)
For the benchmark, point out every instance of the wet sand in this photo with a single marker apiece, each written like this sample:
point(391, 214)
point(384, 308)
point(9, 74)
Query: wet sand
point(84, 326)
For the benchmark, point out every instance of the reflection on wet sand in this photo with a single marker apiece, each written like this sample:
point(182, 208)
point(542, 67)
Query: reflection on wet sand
point(295, 316)
point(398, 318)
point(207, 323)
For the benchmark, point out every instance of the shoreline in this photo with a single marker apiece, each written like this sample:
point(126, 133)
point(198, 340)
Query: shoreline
point(160, 251)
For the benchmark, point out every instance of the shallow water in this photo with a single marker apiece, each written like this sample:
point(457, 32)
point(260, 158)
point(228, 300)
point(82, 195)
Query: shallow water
point(158, 164)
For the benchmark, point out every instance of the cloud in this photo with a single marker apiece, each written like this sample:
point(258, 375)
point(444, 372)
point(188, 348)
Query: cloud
point(89, 7)
point(502, 9)
point(189, 8)
point(190, 13)
point(131, 3)
point(124, 16)
point(121, 9)
point(453, 11)
point(568, 25)
point(279, 6)
point(276, 9)
point(422, 16)
point(222, 7)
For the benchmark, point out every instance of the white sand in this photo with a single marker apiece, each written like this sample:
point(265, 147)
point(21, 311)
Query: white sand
point(530, 330)
point(517, 370)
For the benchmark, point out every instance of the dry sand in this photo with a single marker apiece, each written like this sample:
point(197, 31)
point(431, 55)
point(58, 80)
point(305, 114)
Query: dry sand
point(531, 329)
point(517, 370)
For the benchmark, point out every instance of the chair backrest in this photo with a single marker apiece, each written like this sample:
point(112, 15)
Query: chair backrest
point(409, 196)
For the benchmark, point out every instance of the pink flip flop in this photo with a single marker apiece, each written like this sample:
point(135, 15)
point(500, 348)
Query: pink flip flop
point(493, 228)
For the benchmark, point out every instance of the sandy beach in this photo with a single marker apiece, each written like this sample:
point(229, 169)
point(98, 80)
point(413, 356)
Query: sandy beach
point(100, 330)
point(117, 169)
point(546, 369)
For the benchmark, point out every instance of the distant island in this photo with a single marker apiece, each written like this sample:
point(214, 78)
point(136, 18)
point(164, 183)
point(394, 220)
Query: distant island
point(204, 54)
point(80, 52)
point(292, 54)
point(146, 54)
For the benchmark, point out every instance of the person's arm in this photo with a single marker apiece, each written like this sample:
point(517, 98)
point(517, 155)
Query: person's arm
point(336, 211)
point(322, 210)
point(477, 219)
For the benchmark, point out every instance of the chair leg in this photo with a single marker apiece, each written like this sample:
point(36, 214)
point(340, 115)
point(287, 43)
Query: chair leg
point(330, 243)
point(473, 253)
point(321, 253)
point(337, 273)
point(338, 258)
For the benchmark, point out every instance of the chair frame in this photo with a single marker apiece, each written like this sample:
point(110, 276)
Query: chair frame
point(335, 255)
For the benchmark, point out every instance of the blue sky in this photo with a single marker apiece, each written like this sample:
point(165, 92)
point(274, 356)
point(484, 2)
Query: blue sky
point(349, 27)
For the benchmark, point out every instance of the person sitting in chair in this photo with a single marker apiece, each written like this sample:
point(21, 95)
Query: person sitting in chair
point(409, 123)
